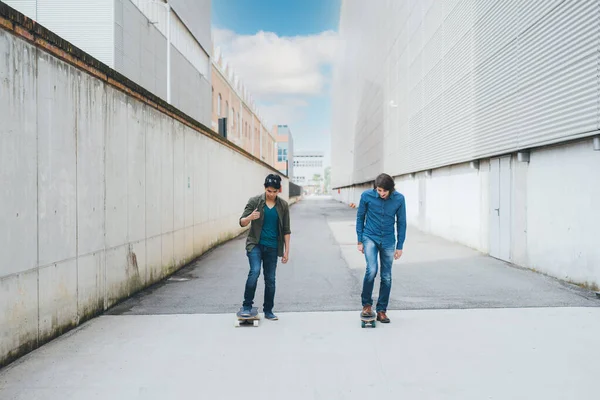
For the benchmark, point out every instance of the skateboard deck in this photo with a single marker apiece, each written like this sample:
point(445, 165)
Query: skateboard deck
point(250, 320)
point(368, 320)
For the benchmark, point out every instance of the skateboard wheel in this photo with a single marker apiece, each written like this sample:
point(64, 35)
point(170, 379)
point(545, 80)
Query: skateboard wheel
point(362, 324)
point(255, 323)
point(237, 324)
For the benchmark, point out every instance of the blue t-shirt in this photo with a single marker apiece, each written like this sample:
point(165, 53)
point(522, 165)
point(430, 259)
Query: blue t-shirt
point(270, 228)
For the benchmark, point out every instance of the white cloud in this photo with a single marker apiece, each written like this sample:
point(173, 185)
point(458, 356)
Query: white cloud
point(270, 65)
point(286, 112)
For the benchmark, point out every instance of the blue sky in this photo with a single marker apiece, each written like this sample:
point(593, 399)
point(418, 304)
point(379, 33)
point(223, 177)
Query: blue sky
point(283, 51)
point(284, 17)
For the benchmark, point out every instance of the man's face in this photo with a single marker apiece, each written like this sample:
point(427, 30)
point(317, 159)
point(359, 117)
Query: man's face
point(271, 193)
point(383, 193)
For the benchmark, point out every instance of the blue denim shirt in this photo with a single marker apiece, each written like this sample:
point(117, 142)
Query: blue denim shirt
point(381, 216)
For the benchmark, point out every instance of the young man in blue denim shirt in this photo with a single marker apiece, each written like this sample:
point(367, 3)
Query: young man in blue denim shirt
point(268, 238)
point(379, 210)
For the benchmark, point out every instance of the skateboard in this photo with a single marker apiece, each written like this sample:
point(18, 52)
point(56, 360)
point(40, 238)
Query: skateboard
point(251, 320)
point(368, 321)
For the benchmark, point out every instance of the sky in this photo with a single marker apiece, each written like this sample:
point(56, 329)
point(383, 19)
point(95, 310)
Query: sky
point(283, 51)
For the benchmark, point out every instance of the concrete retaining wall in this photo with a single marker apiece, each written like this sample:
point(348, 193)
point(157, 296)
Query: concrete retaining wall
point(106, 189)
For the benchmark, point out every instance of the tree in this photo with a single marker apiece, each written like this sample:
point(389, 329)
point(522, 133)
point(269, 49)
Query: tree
point(327, 183)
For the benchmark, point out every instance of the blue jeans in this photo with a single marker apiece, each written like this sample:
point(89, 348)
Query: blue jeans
point(386, 255)
point(268, 257)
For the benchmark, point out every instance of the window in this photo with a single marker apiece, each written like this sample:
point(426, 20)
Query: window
point(226, 109)
point(219, 106)
point(282, 152)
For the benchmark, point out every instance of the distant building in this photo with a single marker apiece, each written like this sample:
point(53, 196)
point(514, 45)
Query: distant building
point(309, 171)
point(235, 116)
point(285, 150)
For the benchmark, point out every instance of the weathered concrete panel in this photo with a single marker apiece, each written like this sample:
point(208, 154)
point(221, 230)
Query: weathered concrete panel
point(168, 258)
point(189, 241)
point(179, 177)
point(18, 156)
point(123, 276)
point(153, 174)
point(201, 173)
point(57, 96)
point(153, 259)
point(116, 274)
point(58, 299)
point(136, 169)
point(91, 114)
point(91, 271)
point(166, 156)
point(116, 170)
point(191, 138)
point(18, 314)
point(179, 254)
point(137, 261)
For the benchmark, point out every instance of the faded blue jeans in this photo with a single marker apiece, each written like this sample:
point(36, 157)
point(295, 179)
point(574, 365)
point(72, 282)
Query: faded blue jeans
point(267, 256)
point(386, 255)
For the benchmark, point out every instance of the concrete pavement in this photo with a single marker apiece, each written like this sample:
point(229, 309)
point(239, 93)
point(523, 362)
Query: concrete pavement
point(325, 273)
point(464, 326)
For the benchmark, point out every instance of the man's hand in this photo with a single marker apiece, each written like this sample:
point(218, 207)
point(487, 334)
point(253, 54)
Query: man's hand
point(285, 257)
point(254, 216)
point(397, 254)
point(361, 248)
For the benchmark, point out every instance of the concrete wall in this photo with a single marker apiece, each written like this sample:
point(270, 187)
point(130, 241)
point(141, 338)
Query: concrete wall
point(554, 219)
point(104, 192)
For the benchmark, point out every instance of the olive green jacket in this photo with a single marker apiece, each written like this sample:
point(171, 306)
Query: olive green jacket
point(283, 213)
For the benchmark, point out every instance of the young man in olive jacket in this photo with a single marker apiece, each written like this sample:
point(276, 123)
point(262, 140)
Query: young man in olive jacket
point(268, 238)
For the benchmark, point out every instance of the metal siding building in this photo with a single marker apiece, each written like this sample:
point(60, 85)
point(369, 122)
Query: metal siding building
point(424, 84)
point(487, 112)
point(131, 37)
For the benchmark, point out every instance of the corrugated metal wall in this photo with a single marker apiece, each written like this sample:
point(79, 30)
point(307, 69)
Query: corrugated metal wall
point(196, 15)
point(141, 50)
point(90, 25)
point(423, 84)
point(182, 38)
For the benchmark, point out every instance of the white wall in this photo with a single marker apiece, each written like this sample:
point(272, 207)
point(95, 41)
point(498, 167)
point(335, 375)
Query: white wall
point(563, 214)
point(101, 197)
point(555, 221)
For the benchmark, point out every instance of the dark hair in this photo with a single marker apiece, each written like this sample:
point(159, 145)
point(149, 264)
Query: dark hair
point(273, 181)
point(385, 182)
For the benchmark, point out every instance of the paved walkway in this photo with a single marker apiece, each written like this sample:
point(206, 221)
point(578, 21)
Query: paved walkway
point(464, 326)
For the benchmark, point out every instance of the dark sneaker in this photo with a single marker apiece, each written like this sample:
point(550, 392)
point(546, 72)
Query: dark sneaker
point(271, 316)
point(246, 311)
point(381, 317)
point(367, 311)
